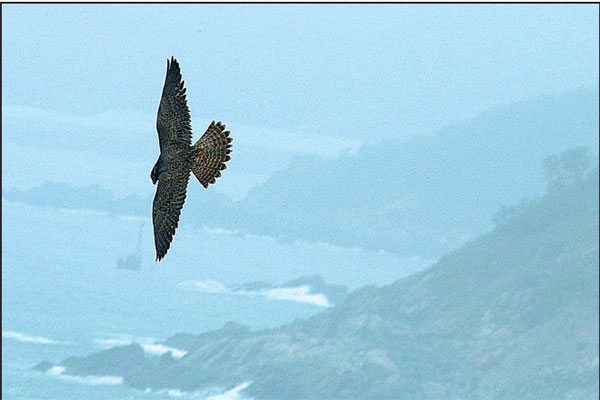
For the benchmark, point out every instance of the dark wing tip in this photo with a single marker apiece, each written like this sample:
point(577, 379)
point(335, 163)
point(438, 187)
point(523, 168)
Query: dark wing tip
point(175, 86)
point(162, 245)
point(172, 63)
point(173, 72)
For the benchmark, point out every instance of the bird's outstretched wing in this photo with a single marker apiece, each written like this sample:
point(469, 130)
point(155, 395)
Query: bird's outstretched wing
point(167, 205)
point(173, 121)
point(210, 153)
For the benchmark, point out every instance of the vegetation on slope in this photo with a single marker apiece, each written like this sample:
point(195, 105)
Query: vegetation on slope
point(512, 314)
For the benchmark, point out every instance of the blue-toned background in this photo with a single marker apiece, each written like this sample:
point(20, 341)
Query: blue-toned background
point(369, 141)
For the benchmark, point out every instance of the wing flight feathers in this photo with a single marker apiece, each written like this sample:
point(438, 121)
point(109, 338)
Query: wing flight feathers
point(173, 121)
point(166, 209)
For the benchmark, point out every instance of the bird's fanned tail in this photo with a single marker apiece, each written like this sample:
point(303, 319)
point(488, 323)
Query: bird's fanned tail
point(210, 153)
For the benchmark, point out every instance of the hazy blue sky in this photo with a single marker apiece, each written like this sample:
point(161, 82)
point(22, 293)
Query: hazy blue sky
point(83, 82)
point(298, 86)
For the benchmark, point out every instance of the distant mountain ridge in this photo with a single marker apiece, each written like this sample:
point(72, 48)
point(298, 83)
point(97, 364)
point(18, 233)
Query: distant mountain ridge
point(404, 197)
point(512, 314)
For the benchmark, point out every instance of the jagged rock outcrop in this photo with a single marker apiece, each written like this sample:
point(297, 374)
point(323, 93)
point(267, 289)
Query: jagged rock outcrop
point(513, 314)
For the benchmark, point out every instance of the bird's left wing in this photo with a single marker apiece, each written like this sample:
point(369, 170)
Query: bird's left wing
point(173, 121)
point(166, 208)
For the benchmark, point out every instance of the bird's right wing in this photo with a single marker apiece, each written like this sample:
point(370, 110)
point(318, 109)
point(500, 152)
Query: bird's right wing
point(166, 208)
point(173, 121)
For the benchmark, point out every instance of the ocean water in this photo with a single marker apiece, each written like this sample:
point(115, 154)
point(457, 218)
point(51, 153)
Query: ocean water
point(62, 294)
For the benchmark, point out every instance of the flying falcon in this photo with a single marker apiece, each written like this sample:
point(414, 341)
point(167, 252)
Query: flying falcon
point(206, 158)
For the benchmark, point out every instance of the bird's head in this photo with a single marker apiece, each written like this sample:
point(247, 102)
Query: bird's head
point(154, 174)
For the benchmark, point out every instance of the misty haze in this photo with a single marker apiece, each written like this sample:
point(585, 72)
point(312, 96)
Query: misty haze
point(410, 210)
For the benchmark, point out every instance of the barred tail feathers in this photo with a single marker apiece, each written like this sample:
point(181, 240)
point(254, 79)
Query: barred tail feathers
point(210, 153)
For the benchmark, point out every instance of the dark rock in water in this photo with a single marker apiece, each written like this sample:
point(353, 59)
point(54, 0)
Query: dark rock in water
point(184, 341)
point(44, 366)
point(510, 315)
point(190, 342)
point(118, 361)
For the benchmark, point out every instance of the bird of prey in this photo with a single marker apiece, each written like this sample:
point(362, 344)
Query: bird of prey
point(206, 158)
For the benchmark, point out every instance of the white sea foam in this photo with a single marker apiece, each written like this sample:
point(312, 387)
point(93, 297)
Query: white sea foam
point(121, 339)
point(233, 394)
point(58, 371)
point(175, 393)
point(104, 380)
point(205, 394)
point(159, 349)
point(22, 337)
point(148, 344)
point(113, 342)
point(300, 294)
point(93, 380)
point(180, 394)
point(207, 286)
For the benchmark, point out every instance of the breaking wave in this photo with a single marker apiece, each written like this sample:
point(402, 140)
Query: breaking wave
point(24, 338)
point(149, 345)
point(206, 394)
point(233, 394)
point(299, 294)
point(58, 371)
